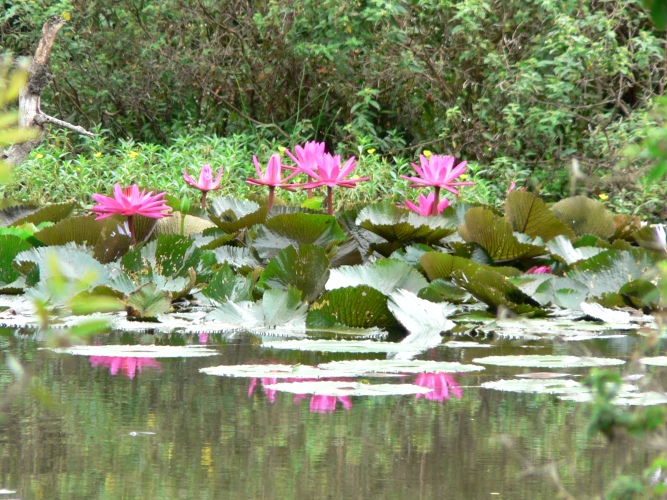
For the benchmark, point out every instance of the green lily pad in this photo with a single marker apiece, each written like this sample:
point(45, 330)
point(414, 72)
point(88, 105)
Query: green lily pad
point(654, 361)
point(138, 351)
point(419, 315)
point(562, 250)
point(326, 388)
point(169, 255)
point(147, 302)
point(610, 270)
point(440, 290)
point(306, 269)
point(399, 225)
point(189, 224)
point(237, 257)
point(549, 289)
point(385, 275)
point(530, 215)
point(652, 237)
point(458, 344)
point(29, 214)
point(440, 265)
point(295, 229)
point(496, 236)
point(10, 247)
point(537, 361)
point(399, 366)
point(231, 214)
point(357, 307)
point(585, 216)
point(225, 285)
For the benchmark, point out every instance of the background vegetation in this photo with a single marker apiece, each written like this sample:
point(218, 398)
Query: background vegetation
point(517, 86)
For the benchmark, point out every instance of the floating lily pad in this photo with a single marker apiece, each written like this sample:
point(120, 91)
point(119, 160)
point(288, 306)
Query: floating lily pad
point(655, 361)
point(357, 307)
point(325, 388)
point(30, 214)
point(237, 257)
point(269, 371)
point(231, 214)
point(532, 361)
point(399, 366)
point(355, 346)
point(458, 344)
point(585, 216)
point(138, 351)
point(542, 375)
point(226, 285)
point(176, 222)
point(540, 386)
point(561, 249)
point(603, 314)
point(530, 215)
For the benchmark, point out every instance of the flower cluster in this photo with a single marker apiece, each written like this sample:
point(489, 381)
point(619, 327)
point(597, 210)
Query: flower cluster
point(321, 168)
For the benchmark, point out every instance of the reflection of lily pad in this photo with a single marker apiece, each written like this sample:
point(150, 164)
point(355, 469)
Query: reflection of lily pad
point(269, 371)
point(547, 361)
point(399, 366)
point(656, 361)
point(541, 386)
point(138, 351)
point(339, 346)
point(348, 389)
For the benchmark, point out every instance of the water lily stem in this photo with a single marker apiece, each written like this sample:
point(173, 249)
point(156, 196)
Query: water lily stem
point(330, 199)
point(436, 200)
point(203, 199)
point(310, 190)
point(130, 225)
point(272, 194)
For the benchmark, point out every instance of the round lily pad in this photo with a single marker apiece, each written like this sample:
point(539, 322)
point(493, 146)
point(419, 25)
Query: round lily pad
point(138, 351)
point(360, 346)
point(272, 371)
point(399, 366)
point(549, 386)
point(458, 344)
point(542, 375)
point(323, 388)
point(656, 361)
point(547, 361)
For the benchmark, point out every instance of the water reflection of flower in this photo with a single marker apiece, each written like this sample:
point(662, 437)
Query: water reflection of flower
point(202, 337)
point(318, 403)
point(127, 365)
point(444, 385)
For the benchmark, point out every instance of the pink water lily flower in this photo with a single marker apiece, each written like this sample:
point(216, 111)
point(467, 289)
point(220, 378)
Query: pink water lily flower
point(425, 205)
point(329, 173)
point(206, 182)
point(439, 171)
point(309, 156)
point(443, 384)
point(129, 202)
point(271, 177)
point(127, 365)
point(539, 270)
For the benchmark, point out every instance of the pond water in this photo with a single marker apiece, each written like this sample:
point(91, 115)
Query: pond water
point(111, 427)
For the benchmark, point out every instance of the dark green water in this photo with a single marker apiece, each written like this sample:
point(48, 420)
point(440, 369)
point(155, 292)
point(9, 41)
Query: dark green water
point(206, 438)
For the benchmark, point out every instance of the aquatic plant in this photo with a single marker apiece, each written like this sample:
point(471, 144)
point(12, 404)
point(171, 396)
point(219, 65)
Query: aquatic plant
point(425, 205)
point(271, 177)
point(439, 173)
point(205, 183)
point(309, 156)
point(130, 202)
point(329, 173)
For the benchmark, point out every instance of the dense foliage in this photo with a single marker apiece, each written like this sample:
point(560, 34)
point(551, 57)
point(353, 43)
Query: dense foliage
point(512, 83)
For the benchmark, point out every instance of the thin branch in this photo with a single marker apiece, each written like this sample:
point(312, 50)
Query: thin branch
point(43, 118)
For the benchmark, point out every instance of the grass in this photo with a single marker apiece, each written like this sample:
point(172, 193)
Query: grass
point(66, 167)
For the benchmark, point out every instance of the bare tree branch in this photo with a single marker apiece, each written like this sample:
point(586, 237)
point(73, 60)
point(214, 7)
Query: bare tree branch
point(30, 113)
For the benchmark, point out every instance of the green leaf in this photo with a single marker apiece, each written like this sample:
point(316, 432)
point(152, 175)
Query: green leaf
point(528, 214)
point(357, 307)
point(440, 290)
point(585, 216)
point(440, 265)
point(231, 214)
point(30, 214)
point(610, 270)
point(562, 250)
point(10, 247)
point(399, 225)
point(176, 222)
point(419, 315)
point(659, 13)
point(90, 327)
point(225, 285)
point(237, 257)
point(306, 269)
point(549, 289)
point(295, 229)
point(385, 275)
point(88, 303)
point(147, 302)
point(495, 235)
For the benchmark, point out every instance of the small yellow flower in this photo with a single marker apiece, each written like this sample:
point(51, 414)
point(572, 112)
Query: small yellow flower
point(463, 176)
point(98, 154)
point(370, 151)
point(348, 29)
point(40, 156)
point(281, 149)
point(133, 154)
point(427, 153)
point(603, 196)
point(66, 16)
